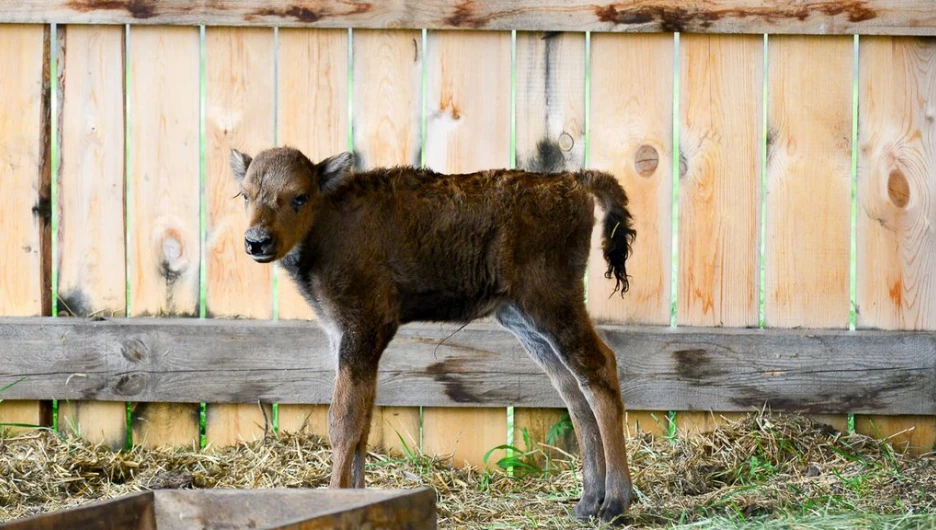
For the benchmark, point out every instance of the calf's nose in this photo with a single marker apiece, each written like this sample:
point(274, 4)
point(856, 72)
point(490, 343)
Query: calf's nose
point(258, 242)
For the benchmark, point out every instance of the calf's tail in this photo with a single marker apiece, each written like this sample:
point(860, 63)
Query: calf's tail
point(618, 231)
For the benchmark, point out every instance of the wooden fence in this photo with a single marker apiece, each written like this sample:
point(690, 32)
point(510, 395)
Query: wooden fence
point(784, 188)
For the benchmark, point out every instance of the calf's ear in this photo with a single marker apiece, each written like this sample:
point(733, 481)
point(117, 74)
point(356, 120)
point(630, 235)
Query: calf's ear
point(239, 164)
point(335, 170)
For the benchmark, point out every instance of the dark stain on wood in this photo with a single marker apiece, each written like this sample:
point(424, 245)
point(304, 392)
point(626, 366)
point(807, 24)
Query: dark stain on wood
point(464, 17)
point(74, 303)
point(548, 158)
point(771, 141)
point(683, 164)
point(840, 397)
point(139, 9)
point(672, 18)
point(696, 366)
point(298, 13)
point(456, 390)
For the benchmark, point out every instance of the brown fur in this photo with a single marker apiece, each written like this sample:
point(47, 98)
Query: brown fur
point(376, 249)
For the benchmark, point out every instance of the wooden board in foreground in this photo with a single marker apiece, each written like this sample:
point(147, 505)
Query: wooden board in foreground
point(283, 509)
point(481, 365)
point(908, 17)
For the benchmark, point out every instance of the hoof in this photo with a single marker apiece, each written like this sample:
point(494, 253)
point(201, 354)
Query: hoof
point(613, 509)
point(587, 507)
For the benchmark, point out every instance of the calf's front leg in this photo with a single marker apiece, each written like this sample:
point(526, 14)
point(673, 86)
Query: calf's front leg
point(353, 402)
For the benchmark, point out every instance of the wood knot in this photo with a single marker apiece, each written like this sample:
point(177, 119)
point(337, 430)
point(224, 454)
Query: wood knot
point(134, 350)
point(898, 188)
point(566, 142)
point(646, 160)
point(130, 384)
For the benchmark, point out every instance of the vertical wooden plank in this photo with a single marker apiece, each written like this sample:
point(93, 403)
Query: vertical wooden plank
point(163, 199)
point(386, 125)
point(631, 136)
point(239, 113)
point(468, 129)
point(388, 425)
point(809, 129)
point(91, 240)
point(721, 98)
point(312, 115)
point(25, 204)
point(550, 136)
point(809, 147)
point(896, 249)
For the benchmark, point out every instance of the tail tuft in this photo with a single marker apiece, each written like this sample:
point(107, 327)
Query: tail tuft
point(618, 233)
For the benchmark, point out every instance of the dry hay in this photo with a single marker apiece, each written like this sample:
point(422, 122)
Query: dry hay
point(767, 468)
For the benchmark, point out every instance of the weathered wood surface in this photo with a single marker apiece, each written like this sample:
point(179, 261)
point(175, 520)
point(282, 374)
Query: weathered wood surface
point(891, 17)
point(720, 124)
point(481, 365)
point(91, 193)
point(896, 246)
point(296, 509)
point(133, 512)
point(164, 243)
point(282, 509)
point(25, 204)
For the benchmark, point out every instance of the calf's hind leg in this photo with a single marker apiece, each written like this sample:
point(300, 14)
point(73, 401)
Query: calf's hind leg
point(569, 332)
point(586, 428)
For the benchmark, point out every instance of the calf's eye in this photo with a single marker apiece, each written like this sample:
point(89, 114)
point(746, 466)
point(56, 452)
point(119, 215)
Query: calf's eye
point(299, 200)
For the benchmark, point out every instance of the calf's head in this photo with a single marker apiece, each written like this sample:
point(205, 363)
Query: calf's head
point(281, 188)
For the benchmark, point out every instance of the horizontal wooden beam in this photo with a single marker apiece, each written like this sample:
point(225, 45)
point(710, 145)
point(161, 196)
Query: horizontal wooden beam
point(222, 361)
point(825, 17)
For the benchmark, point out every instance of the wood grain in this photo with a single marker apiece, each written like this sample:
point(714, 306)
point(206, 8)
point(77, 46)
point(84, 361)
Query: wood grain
point(296, 509)
point(468, 129)
point(897, 205)
point(632, 136)
point(387, 128)
point(388, 425)
point(312, 114)
point(550, 137)
point(907, 17)
point(809, 129)
point(132, 512)
point(239, 113)
point(25, 205)
point(465, 434)
point(721, 80)
point(721, 369)
point(163, 199)
point(91, 241)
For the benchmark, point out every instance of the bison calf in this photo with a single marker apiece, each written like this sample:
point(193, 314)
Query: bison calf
point(375, 249)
